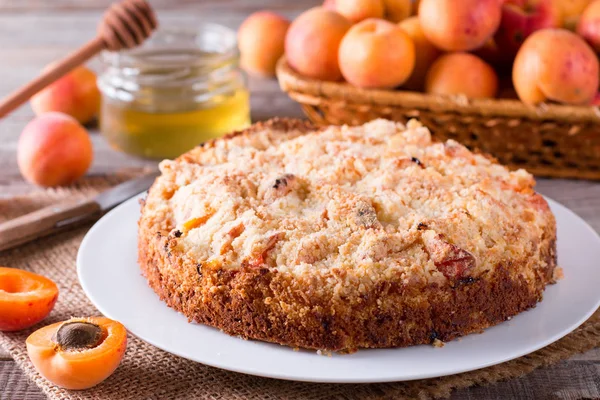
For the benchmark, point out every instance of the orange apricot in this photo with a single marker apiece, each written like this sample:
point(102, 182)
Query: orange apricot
point(261, 40)
point(329, 5)
point(79, 353)
point(425, 53)
point(571, 10)
point(558, 65)
point(519, 20)
point(397, 10)
point(359, 10)
point(415, 7)
point(75, 94)
point(376, 53)
point(54, 149)
point(461, 74)
point(588, 26)
point(312, 43)
point(25, 298)
point(459, 25)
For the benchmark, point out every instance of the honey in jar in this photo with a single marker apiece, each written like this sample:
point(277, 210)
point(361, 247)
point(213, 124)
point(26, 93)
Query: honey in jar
point(179, 89)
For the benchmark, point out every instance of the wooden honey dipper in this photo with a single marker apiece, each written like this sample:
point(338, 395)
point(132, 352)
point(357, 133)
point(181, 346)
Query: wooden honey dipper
point(124, 25)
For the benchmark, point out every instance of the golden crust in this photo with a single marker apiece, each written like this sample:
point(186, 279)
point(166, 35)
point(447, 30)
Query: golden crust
point(447, 288)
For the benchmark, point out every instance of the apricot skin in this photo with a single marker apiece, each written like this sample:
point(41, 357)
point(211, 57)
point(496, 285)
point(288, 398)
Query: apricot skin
point(261, 40)
point(75, 94)
point(588, 26)
point(397, 10)
point(376, 54)
point(415, 7)
point(461, 74)
point(358, 10)
point(53, 150)
point(571, 11)
point(558, 65)
point(329, 5)
point(573, 8)
point(25, 298)
point(521, 20)
point(312, 43)
point(425, 53)
point(459, 25)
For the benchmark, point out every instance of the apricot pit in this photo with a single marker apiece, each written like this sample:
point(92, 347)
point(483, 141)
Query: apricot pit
point(78, 335)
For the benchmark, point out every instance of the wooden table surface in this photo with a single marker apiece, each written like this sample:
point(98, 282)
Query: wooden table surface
point(35, 32)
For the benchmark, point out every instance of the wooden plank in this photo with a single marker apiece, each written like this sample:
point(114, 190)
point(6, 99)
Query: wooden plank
point(582, 197)
point(14, 385)
point(592, 355)
point(75, 27)
point(564, 381)
point(221, 7)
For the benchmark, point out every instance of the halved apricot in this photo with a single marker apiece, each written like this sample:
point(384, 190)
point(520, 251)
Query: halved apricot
point(78, 353)
point(25, 298)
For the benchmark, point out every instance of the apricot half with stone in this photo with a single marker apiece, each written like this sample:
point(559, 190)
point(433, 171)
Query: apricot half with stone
point(78, 353)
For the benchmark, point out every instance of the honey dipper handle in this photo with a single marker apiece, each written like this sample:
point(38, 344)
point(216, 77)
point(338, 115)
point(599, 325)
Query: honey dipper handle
point(57, 70)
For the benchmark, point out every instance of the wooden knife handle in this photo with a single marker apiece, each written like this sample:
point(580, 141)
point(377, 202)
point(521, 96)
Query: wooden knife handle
point(47, 221)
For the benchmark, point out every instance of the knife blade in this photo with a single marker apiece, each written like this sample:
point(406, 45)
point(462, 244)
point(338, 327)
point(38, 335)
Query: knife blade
point(63, 216)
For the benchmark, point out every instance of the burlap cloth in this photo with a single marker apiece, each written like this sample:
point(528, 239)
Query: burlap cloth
point(149, 373)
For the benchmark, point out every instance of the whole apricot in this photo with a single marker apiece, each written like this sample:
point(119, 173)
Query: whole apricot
point(588, 26)
point(459, 25)
point(261, 40)
point(54, 149)
point(425, 53)
point(571, 10)
point(462, 74)
point(329, 5)
point(397, 10)
point(376, 54)
point(521, 20)
point(359, 10)
point(558, 65)
point(75, 94)
point(312, 43)
point(415, 7)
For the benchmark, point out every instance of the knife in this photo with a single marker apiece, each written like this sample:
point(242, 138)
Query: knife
point(63, 216)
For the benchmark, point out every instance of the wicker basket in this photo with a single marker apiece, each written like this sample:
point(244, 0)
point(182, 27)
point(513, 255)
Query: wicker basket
point(548, 140)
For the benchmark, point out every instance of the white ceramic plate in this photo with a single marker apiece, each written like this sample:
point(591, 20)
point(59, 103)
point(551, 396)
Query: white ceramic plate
point(110, 276)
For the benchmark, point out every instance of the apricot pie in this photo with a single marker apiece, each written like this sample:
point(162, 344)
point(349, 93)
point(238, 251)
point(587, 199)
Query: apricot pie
point(342, 238)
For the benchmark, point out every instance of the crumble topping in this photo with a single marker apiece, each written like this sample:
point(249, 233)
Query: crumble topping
point(364, 203)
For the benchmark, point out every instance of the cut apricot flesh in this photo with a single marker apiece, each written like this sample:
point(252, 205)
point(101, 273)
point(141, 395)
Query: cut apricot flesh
point(25, 298)
point(78, 368)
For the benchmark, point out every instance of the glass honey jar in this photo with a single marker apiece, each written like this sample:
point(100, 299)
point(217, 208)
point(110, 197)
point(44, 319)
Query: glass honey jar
point(179, 89)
